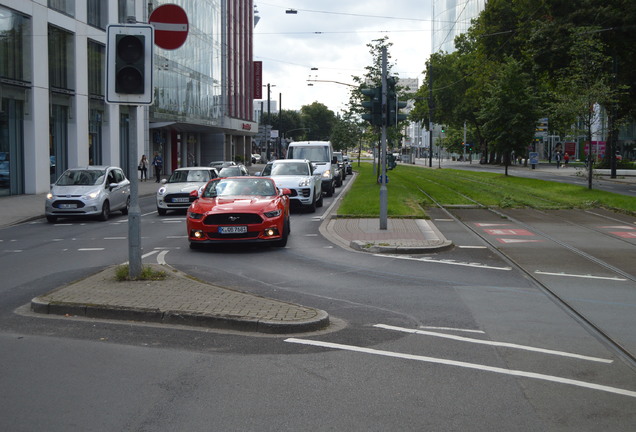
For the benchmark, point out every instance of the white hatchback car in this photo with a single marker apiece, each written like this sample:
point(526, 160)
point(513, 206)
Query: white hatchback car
point(174, 193)
point(88, 191)
point(299, 176)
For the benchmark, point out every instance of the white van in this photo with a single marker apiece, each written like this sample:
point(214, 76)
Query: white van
point(320, 153)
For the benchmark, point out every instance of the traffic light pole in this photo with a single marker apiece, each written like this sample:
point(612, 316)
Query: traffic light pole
point(134, 212)
point(383, 179)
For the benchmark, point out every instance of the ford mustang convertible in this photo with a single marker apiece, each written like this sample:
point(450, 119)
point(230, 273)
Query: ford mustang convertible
point(237, 210)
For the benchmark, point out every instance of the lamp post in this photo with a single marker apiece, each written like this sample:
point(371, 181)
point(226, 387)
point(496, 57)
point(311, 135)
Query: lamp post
point(269, 117)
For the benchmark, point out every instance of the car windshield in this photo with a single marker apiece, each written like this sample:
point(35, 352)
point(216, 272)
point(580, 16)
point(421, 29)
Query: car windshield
point(230, 171)
point(181, 176)
point(231, 187)
point(296, 169)
point(87, 177)
point(311, 153)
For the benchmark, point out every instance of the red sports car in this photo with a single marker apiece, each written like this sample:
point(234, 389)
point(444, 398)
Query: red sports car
point(237, 210)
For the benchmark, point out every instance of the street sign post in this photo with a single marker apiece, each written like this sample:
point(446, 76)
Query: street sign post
point(171, 26)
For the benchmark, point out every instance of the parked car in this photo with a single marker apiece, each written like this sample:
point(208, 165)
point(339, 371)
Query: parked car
point(299, 177)
point(174, 193)
point(341, 166)
point(234, 171)
point(239, 210)
point(88, 191)
point(256, 158)
point(319, 153)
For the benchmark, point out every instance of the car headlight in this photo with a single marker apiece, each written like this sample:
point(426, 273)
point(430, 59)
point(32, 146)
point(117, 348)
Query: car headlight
point(305, 182)
point(91, 195)
point(195, 216)
point(162, 190)
point(49, 196)
point(273, 214)
point(327, 174)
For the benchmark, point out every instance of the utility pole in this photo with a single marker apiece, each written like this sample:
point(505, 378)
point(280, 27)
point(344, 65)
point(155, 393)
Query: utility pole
point(383, 179)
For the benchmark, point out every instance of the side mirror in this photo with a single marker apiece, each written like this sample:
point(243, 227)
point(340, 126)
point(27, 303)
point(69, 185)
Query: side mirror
point(286, 191)
point(258, 174)
point(334, 160)
point(194, 195)
point(164, 181)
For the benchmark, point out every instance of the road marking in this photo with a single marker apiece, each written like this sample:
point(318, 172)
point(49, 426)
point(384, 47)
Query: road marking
point(588, 276)
point(172, 221)
point(90, 249)
point(511, 372)
point(494, 343)
point(519, 232)
point(115, 238)
point(161, 258)
point(148, 254)
point(452, 329)
point(491, 224)
point(311, 235)
point(448, 262)
point(506, 241)
point(444, 220)
point(472, 247)
point(177, 237)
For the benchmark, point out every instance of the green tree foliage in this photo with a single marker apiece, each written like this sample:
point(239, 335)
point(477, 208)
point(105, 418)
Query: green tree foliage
point(319, 119)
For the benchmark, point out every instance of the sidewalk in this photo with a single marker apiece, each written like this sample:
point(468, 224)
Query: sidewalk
point(182, 300)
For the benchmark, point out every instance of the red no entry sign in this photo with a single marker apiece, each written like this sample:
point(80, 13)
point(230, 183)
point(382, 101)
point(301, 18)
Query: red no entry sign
point(171, 26)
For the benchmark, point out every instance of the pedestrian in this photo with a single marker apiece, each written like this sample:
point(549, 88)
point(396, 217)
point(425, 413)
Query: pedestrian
point(557, 158)
point(566, 159)
point(143, 168)
point(157, 162)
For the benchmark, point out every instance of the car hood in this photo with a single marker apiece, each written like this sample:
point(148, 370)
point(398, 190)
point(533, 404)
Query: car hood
point(75, 190)
point(234, 204)
point(183, 187)
point(288, 181)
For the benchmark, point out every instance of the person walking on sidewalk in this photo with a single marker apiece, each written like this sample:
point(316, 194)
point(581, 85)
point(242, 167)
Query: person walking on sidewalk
point(143, 168)
point(157, 162)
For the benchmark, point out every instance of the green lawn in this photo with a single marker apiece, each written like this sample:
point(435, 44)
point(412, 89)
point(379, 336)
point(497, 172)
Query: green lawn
point(457, 187)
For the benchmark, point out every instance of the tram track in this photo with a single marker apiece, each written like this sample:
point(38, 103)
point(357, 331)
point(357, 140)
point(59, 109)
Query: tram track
point(594, 328)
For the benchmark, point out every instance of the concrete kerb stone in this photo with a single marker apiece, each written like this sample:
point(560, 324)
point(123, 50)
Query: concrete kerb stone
point(370, 247)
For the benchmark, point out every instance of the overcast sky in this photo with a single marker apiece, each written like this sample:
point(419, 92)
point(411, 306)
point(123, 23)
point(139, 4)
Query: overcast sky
point(332, 35)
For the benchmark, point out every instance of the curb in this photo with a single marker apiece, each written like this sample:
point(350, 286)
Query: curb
point(366, 246)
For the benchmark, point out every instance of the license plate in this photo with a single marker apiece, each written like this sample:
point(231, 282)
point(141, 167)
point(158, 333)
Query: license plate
point(233, 229)
point(68, 206)
point(181, 200)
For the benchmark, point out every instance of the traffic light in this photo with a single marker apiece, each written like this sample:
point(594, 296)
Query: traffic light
point(129, 64)
point(393, 103)
point(372, 106)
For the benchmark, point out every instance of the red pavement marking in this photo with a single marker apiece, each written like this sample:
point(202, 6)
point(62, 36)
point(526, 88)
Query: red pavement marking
point(624, 234)
point(519, 232)
point(506, 241)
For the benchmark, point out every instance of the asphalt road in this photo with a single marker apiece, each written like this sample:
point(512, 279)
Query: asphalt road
point(457, 340)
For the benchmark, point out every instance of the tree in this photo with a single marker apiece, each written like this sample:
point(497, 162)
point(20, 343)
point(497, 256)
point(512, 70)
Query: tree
point(509, 112)
point(319, 119)
point(346, 132)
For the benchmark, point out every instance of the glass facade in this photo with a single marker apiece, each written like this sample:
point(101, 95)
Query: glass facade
point(67, 7)
point(97, 13)
point(452, 18)
point(16, 76)
point(61, 65)
point(188, 80)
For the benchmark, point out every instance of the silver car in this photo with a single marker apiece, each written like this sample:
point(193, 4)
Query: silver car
point(174, 193)
point(301, 178)
point(88, 191)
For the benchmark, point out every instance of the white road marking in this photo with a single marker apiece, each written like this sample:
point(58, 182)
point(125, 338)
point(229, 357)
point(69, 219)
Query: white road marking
point(148, 254)
point(171, 221)
point(161, 258)
point(115, 238)
point(90, 249)
point(311, 235)
point(431, 260)
point(472, 247)
point(452, 329)
point(511, 372)
point(588, 276)
point(177, 237)
point(494, 343)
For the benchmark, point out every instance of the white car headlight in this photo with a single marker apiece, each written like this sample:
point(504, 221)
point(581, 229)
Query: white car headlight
point(327, 174)
point(305, 182)
point(91, 195)
point(162, 190)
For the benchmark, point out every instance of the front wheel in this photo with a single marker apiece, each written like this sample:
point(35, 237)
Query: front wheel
point(105, 214)
point(124, 211)
point(161, 211)
point(51, 219)
point(319, 201)
point(286, 229)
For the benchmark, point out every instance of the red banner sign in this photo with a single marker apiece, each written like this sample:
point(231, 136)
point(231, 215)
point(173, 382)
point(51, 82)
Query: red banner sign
point(258, 80)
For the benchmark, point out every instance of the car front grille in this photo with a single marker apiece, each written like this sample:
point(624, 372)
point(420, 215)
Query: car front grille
point(233, 219)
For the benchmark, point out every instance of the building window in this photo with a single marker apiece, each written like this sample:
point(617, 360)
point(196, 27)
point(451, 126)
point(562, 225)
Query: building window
point(96, 64)
point(67, 7)
point(15, 46)
point(96, 11)
point(60, 59)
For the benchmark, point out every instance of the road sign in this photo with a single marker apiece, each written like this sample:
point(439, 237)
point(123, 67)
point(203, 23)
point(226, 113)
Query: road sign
point(171, 26)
